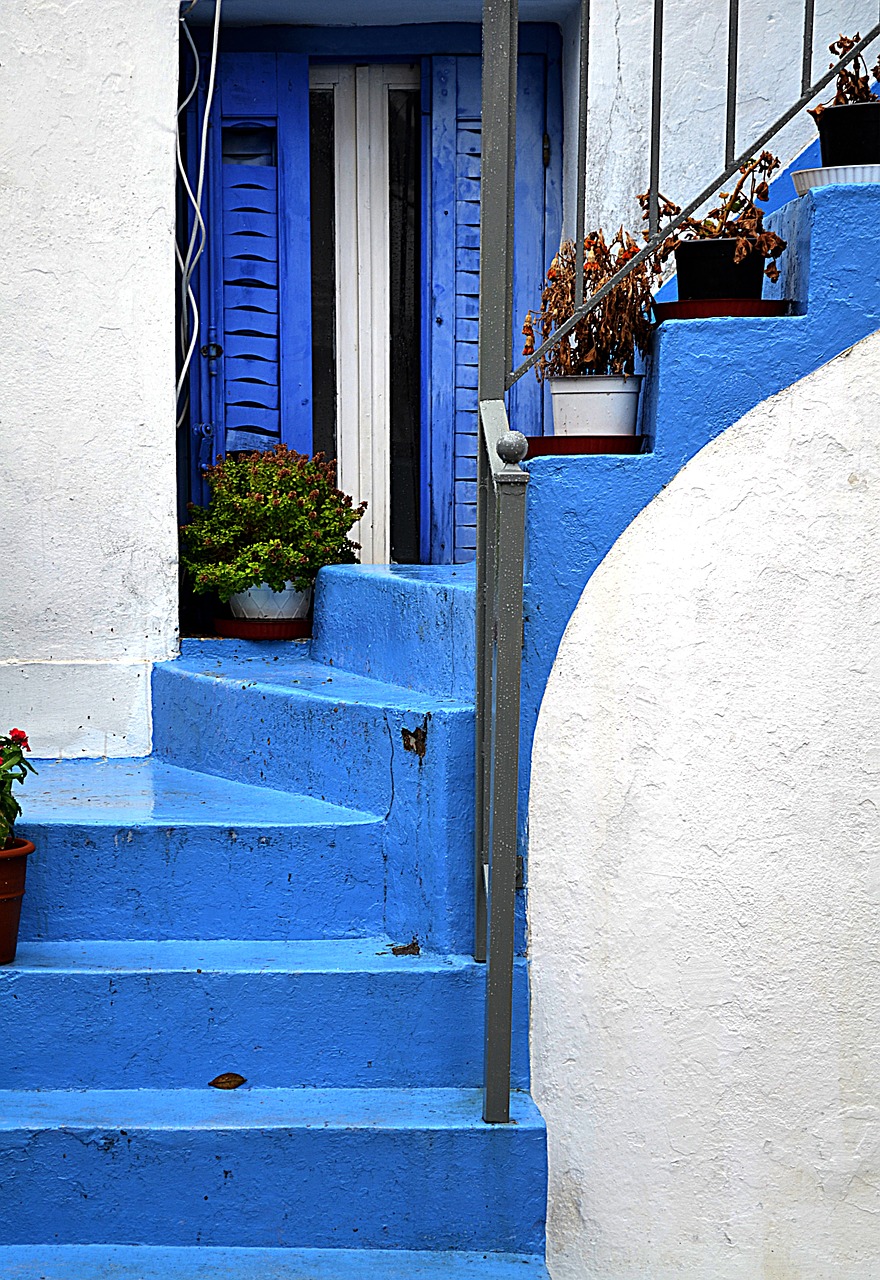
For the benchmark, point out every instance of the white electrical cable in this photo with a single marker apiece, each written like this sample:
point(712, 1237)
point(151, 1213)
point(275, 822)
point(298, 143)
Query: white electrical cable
point(198, 238)
point(189, 300)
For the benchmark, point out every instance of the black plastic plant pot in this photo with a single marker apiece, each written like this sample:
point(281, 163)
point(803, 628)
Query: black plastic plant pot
point(706, 269)
point(850, 134)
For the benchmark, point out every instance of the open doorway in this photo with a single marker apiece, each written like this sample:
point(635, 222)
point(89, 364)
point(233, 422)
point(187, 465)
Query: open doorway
point(365, 130)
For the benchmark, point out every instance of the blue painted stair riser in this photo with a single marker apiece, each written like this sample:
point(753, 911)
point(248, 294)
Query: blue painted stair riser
point(177, 1014)
point(412, 625)
point(204, 882)
point(298, 1168)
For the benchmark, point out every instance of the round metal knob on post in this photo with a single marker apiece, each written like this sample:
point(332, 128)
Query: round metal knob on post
point(512, 447)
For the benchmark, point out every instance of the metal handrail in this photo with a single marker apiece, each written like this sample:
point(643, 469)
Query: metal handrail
point(501, 480)
point(657, 239)
point(502, 510)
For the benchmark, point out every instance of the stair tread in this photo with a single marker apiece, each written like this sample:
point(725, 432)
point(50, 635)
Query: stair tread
point(293, 672)
point(147, 792)
point(263, 1109)
point(145, 1262)
point(332, 955)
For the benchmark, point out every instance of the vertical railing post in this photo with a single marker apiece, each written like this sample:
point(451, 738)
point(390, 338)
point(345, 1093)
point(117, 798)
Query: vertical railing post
point(508, 612)
point(732, 71)
point(656, 120)
point(497, 165)
point(807, 56)
point(582, 125)
point(498, 142)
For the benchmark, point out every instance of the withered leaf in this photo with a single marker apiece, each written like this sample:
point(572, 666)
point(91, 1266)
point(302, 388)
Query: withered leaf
point(407, 949)
point(227, 1080)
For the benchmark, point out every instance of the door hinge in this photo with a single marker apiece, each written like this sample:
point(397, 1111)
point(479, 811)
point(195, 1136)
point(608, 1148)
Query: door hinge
point(546, 150)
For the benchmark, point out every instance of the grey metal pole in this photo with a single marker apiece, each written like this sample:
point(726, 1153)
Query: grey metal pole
point(500, 31)
point(732, 69)
point(656, 111)
point(807, 57)
point(507, 599)
point(500, 41)
point(582, 126)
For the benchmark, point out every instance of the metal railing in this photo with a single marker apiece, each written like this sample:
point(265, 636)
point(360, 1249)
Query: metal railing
point(501, 481)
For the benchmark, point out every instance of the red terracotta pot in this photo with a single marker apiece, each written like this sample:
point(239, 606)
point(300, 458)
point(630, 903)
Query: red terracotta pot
point(13, 867)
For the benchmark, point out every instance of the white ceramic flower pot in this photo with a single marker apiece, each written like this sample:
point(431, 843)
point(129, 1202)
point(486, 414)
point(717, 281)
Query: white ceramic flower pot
point(604, 404)
point(264, 603)
point(851, 174)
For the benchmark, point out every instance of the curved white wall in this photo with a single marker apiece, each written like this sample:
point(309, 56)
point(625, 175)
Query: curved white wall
point(88, 589)
point(704, 878)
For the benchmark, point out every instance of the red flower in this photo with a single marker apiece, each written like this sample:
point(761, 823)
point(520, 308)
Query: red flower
point(19, 736)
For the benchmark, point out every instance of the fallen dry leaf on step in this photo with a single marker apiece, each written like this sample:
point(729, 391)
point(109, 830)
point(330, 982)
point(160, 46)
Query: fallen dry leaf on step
point(228, 1080)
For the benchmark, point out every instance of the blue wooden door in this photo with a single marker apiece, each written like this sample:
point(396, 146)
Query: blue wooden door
point(252, 383)
point(451, 406)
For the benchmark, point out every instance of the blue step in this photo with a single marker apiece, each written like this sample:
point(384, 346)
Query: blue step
point(139, 1262)
point(139, 849)
point(177, 1014)
point(299, 1168)
point(270, 716)
point(411, 625)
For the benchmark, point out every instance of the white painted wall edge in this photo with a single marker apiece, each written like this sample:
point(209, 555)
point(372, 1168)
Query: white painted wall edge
point(86, 709)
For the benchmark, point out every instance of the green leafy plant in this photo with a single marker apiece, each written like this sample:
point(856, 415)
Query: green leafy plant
point(852, 84)
point(273, 517)
point(13, 768)
point(737, 217)
point(607, 338)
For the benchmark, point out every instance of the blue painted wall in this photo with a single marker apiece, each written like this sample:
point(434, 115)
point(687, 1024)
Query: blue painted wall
point(704, 376)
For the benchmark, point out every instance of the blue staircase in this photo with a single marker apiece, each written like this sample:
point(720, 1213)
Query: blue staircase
point(230, 905)
point(233, 904)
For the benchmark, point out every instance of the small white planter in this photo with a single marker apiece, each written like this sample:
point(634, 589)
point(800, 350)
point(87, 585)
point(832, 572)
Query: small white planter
point(265, 604)
point(604, 404)
point(852, 174)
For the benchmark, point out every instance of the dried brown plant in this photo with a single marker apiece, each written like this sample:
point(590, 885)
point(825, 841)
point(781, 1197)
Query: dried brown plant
point(853, 84)
point(737, 217)
point(607, 338)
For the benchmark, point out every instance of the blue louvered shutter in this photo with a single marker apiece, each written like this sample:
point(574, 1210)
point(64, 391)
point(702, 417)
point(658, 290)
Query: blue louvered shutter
point(455, 239)
point(259, 272)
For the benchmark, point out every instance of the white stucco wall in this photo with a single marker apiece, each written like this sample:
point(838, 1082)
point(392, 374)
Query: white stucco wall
point(704, 878)
point(88, 589)
point(694, 84)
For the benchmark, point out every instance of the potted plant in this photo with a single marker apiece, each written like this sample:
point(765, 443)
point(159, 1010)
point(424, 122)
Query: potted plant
point(727, 253)
point(273, 520)
point(849, 125)
point(14, 852)
point(593, 383)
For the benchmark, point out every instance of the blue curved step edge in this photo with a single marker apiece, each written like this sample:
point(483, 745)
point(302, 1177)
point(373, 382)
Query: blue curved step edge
point(271, 716)
point(133, 1262)
point(412, 625)
point(704, 376)
point(141, 849)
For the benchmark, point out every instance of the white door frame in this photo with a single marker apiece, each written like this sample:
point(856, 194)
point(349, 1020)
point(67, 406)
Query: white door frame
point(363, 310)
